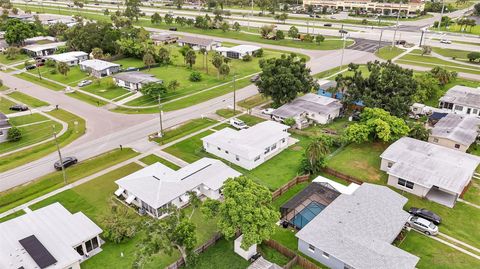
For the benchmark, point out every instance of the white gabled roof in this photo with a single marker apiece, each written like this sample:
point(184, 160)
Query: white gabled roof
point(462, 129)
point(158, 185)
point(462, 95)
point(359, 228)
point(430, 165)
point(40, 47)
point(310, 103)
point(239, 49)
point(249, 143)
point(58, 230)
point(98, 65)
point(67, 56)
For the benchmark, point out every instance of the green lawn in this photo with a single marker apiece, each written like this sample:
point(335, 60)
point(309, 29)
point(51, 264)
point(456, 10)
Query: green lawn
point(21, 57)
point(189, 150)
point(459, 54)
point(105, 88)
point(250, 120)
point(152, 158)
point(220, 255)
point(437, 255)
point(21, 120)
point(389, 52)
point(361, 161)
point(87, 98)
point(41, 82)
point(473, 193)
point(273, 255)
point(457, 28)
point(76, 128)
point(73, 76)
point(17, 196)
point(185, 129)
point(227, 113)
point(12, 216)
point(429, 61)
point(28, 100)
point(5, 105)
point(253, 101)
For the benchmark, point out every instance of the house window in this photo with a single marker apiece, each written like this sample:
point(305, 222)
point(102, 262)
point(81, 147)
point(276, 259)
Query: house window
point(389, 165)
point(267, 150)
point(405, 183)
point(311, 248)
point(457, 146)
point(460, 108)
point(226, 151)
point(218, 148)
point(435, 140)
point(475, 111)
point(283, 140)
point(257, 158)
point(237, 158)
point(79, 250)
point(326, 255)
point(274, 146)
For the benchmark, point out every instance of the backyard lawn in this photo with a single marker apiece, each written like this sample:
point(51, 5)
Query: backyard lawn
point(361, 161)
point(436, 255)
point(250, 120)
point(220, 255)
point(152, 158)
point(31, 102)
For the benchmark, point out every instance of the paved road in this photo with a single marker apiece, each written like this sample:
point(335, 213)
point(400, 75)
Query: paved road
point(367, 45)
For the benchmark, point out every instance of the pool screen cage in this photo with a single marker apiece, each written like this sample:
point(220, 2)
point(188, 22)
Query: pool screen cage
point(308, 203)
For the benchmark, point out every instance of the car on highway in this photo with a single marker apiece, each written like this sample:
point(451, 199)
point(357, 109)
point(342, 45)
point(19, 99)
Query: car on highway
point(426, 214)
point(238, 124)
point(19, 107)
point(30, 67)
point(68, 161)
point(327, 25)
point(445, 41)
point(268, 111)
point(425, 226)
point(341, 31)
point(84, 83)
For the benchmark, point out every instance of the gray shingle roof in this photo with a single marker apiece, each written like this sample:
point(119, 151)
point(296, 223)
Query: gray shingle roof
point(462, 129)
point(428, 164)
point(309, 103)
point(136, 77)
point(462, 95)
point(358, 229)
point(195, 40)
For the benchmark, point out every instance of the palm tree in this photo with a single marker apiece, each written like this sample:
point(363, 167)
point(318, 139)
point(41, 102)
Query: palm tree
point(148, 60)
point(63, 68)
point(204, 52)
point(190, 58)
point(316, 152)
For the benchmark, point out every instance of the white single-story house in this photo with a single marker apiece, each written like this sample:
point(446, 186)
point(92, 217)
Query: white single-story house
point(157, 187)
point(44, 39)
point(38, 50)
point(461, 100)
point(309, 108)
point(428, 170)
point(357, 230)
point(455, 131)
point(134, 81)
point(71, 58)
point(249, 147)
point(4, 126)
point(99, 68)
point(163, 38)
point(198, 43)
point(48, 238)
point(238, 52)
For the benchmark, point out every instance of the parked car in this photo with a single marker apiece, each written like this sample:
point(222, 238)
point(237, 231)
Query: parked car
point(19, 107)
point(254, 78)
point(30, 67)
point(239, 124)
point(172, 28)
point(401, 42)
point(425, 226)
point(342, 31)
point(68, 161)
point(268, 111)
point(84, 83)
point(327, 25)
point(445, 41)
point(426, 214)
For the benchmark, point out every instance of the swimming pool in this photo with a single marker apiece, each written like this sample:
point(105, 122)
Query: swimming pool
point(307, 214)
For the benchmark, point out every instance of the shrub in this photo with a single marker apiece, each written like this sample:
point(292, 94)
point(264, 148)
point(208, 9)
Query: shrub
point(50, 63)
point(247, 58)
point(53, 71)
point(14, 134)
point(289, 121)
point(258, 53)
point(195, 76)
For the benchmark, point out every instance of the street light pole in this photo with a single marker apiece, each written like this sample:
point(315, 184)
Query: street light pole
point(380, 39)
point(396, 28)
point(251, 15)
point(59, 155)
point(343, 50)
point(160, 133)
point(441, 14)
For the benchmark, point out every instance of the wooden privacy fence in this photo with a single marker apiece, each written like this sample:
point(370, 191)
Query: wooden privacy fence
point(290, 184)
point(179, 263)
point(295, 258)
point(343, 176)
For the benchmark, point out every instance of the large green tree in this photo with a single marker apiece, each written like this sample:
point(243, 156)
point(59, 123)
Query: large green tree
point(119, 223)
point(17, 31)
point(376, 124)
point(154, 89)
point(85, 37)
point(190, 58)
point(387, 86)
point(427, 87)
point(444, 76)
point(246, 208)
point(132, 10)
point(284, 78)
point(63, 68)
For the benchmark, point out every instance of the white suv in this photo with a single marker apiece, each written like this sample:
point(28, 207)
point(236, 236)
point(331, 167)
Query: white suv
point(423, 225)
point(238, 123)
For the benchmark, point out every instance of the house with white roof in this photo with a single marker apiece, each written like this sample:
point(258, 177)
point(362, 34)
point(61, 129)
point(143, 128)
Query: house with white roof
point(428, 170)
point(357, 230)
point(134, 81)
point(238, 52)
point(38, 50)
point(455, 131)
point(71, 58)
point(248, 148)
point(99, 68)
point(163, 38)
point(157, 187)
point(309, 108)
point(461, 100)
point(4, 126)
point(48, 238)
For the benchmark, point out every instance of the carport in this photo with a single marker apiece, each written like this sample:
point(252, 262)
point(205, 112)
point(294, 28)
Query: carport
point(442, 197)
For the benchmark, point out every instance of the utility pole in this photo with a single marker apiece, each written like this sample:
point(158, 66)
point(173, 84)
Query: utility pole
point(421, 38)
point(59, 155)
point(251, 15)
point(160, 133)
point(396, 28)
point(380, 39)
point(234, 96)
point(441, 14)
point(343, 49)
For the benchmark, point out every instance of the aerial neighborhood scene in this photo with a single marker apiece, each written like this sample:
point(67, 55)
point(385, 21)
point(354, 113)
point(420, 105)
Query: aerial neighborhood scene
point(241, 134)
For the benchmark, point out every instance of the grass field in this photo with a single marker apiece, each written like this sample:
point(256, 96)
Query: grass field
point(253, 101)
point(27, 100)
point(76, 128)
point(105, 88)
point(5, 105)
point(41, 82)
point(152, 158)
point(22, 194)
point(73, 76)
point(475, 30)
point(87, 98)
point(220, 255)
point(429, 61)
point(389, 52)
point(473, 193)
point(21, 57)
point(185, 129)
point(190, 149)
point(434, 254)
